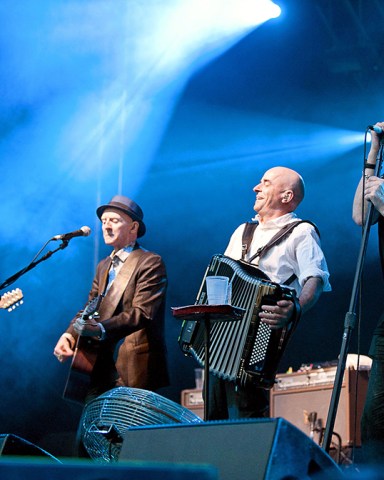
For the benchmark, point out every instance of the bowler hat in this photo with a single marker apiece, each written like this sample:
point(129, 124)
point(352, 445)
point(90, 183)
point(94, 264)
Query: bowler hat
point(127, 206)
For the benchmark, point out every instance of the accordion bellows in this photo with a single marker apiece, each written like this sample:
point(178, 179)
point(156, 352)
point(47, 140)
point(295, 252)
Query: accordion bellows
point(246, 351)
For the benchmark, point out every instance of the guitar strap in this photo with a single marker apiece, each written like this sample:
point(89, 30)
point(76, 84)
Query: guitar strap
point(114, 294)
point(104, 277)
point(249, 230)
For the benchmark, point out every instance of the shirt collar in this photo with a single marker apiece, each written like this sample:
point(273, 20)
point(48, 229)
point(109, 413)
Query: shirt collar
point(123, 253)
point(276, 222)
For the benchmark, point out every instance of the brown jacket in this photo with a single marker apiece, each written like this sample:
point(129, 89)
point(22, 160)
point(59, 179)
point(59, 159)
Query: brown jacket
point(133, 353)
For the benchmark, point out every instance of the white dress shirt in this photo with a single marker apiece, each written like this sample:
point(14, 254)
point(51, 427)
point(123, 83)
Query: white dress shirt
point(299, 253)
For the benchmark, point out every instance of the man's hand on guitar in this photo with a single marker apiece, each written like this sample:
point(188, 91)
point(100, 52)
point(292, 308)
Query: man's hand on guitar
point(87, 328)
point(65, 347)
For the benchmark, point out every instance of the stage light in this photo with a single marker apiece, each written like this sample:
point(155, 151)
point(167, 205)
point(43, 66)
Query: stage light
point(255, 13)
point(194, 31)
point(101, 97)
point(153, 51)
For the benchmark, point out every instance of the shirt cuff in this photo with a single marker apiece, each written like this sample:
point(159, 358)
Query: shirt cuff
point(103, 332)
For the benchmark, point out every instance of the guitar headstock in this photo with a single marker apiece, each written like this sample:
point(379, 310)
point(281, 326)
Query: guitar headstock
point(12, 299)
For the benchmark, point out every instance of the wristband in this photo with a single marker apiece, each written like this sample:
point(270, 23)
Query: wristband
point(103, 333)
point(369, 165)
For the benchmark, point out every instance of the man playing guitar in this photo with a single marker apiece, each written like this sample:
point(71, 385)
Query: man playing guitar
point(125, 325)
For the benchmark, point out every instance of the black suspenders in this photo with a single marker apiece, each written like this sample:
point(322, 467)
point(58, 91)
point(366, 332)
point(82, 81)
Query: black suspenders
point(249, 230)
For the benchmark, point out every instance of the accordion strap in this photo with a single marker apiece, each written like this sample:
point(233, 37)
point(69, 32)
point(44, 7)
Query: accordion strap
point(295, 316)
point(249, 230)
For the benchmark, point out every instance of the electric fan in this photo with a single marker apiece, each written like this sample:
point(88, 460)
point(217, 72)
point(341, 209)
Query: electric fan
point(106, 418)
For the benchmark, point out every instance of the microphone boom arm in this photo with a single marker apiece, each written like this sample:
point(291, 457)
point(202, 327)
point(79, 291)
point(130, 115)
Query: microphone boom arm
point(32, 265)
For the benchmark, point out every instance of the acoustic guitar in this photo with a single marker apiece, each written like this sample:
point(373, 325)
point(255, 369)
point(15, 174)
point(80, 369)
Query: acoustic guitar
point(12, 299)
point(84, 358)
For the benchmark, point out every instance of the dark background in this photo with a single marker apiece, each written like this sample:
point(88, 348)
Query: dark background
point(91, 105)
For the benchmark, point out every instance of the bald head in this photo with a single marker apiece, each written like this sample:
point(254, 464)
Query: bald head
point(289, 179)
point(280, 191)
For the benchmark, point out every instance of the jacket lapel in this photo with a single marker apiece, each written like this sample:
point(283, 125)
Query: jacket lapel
point(114, 294)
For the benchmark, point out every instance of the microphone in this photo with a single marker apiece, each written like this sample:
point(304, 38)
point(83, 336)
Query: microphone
point(376, 129)
point(83, 232)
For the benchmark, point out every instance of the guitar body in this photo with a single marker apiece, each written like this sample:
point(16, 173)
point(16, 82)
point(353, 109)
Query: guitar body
point(79, 376)
point(83, 360)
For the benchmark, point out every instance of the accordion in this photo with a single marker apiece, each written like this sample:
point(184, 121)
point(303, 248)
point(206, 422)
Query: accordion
point(246, 351)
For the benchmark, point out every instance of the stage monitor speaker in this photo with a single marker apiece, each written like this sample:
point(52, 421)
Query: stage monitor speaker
point(13, 445)
point(89, 470)
point(263, 449)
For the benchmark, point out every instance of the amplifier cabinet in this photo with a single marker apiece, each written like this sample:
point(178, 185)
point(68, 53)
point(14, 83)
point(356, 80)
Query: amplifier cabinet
point(304, 400)
point(193, 400)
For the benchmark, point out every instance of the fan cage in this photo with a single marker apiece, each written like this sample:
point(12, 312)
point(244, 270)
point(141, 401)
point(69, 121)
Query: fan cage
point(106, 418)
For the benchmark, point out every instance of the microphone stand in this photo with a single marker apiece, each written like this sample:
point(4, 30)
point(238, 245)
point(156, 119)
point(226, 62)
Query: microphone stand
point(33, 264)
point(350, 318)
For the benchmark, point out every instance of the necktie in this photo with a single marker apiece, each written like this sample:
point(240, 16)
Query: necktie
point(112, 272)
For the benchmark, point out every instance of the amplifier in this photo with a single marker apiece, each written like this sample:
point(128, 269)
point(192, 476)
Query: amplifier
point(193, 400)
point(303, 398)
